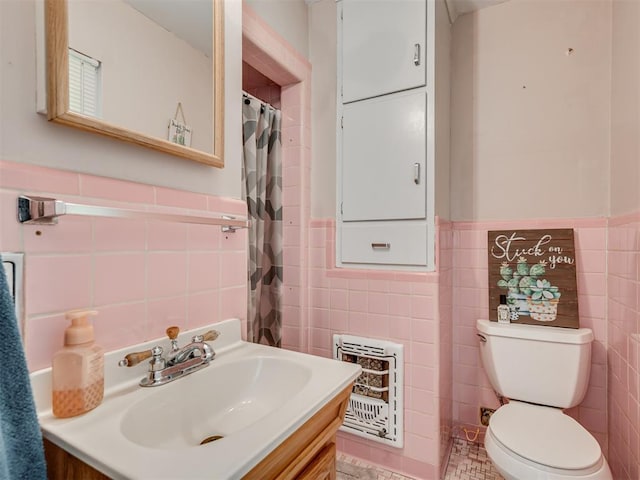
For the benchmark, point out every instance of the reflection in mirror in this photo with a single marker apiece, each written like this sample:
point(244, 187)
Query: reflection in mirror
point(145, 71)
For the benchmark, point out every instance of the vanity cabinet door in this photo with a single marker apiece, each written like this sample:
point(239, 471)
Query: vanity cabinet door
point(61, 465)
point(323, 466)
point(383, 47)
point(384, 158)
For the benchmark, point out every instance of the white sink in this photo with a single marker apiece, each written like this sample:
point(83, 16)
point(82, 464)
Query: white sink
point(251, 395)
point(219, 402)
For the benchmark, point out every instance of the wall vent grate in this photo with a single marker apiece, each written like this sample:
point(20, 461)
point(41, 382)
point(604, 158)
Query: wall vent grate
point(375, 409)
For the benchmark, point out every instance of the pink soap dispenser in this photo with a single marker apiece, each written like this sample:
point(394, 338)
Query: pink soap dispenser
point(77, 373)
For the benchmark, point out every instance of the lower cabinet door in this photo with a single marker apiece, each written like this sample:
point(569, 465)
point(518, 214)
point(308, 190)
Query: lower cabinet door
point(323, 466)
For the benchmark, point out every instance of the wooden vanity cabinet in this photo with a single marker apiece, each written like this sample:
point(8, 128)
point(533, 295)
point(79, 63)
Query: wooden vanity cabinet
point(309, 453)
point(61, 465)
point(323, 466)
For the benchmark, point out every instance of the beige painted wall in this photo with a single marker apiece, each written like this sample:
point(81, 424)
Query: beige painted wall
point(323, 57)
point(442, 113)
point(288, 18)
point(530, 122)
point(625, 108)
point(26, 136)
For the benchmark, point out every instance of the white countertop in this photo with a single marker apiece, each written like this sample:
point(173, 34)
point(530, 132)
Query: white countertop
point(97, 437)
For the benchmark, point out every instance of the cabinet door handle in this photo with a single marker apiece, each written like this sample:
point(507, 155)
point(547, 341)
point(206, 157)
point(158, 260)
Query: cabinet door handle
point(416, 54)
point(380, 246)
point(416, 173)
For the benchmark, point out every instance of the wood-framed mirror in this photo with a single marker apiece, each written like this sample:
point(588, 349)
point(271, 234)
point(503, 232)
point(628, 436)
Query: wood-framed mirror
point(168, 94)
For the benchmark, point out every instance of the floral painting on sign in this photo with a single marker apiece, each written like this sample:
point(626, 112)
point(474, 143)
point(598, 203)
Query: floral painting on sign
point(536, 271)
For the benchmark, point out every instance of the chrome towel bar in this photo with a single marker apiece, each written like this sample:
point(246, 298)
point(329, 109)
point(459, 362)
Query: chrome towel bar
point(45, 211)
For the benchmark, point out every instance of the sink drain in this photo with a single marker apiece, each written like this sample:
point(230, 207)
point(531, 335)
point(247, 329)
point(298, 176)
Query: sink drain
point(211, 438)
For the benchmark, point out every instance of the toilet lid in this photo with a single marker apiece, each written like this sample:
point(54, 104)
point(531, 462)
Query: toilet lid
point(545, 435)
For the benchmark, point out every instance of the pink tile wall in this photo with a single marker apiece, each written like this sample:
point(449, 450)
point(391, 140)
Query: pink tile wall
point(399, 306)
point(434, 316)
point(445, 341)
point(296, 174)
point(624, 346)
point(471, 388)
point(141, 276)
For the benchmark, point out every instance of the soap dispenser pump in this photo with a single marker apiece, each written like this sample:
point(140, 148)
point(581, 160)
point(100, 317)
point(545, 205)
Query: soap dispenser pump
point(77, 373)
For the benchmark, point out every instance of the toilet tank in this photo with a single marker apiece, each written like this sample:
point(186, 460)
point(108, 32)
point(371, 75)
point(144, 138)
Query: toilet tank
point(536, 364)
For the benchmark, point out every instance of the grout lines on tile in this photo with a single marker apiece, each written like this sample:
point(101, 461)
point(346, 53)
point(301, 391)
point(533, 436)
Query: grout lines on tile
point(468, 461)
point(350, 468)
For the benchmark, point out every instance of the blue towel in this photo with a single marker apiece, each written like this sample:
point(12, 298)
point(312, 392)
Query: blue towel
point(21, 451)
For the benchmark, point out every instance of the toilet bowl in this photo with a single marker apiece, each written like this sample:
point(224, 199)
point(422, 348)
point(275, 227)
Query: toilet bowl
point(535, 442)
point(542, 370)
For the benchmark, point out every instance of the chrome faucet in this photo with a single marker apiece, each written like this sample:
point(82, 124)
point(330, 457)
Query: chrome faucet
point(178, 363)
point(196, 349)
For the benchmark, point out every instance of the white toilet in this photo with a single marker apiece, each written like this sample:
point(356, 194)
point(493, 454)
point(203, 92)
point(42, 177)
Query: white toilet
point(542, 370)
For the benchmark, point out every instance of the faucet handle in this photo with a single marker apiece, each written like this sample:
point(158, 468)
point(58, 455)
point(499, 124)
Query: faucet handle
point(157, 362)
point(172, 332)
point(210, 336)
point(134, 358)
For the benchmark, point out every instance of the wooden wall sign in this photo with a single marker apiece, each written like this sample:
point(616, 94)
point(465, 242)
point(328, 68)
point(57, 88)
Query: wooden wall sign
point(536, 270)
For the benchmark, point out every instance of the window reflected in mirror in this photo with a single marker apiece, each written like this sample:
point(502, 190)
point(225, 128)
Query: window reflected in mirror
point(85, 91)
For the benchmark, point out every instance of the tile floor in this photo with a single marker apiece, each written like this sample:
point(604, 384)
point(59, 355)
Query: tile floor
point(350, 468)
point(468, 461)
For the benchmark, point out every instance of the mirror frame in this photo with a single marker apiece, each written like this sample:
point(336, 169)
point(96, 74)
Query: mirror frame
point(57, 43)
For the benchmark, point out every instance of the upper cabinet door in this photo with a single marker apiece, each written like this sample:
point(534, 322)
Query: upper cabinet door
point(384, 158)
point(383, 47)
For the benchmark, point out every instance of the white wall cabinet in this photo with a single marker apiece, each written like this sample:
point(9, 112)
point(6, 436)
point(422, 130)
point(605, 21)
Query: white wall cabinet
point(386, 132)
point(383, 47)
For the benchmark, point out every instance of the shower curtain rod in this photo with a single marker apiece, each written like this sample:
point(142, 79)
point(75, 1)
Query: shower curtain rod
point(262, 102)
point(248, 95)
point(45, 211)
